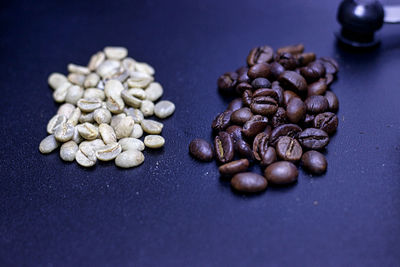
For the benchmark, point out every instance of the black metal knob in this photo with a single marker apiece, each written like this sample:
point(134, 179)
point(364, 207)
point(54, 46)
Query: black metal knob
point(360, 19)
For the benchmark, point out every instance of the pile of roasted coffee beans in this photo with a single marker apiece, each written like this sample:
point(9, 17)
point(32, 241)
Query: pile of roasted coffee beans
point(283, 116)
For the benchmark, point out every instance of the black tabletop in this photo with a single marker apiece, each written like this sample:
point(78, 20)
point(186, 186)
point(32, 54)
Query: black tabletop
point(173, 210)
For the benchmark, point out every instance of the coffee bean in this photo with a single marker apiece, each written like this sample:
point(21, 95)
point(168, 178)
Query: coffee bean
point(286, 60)
point(108, 152)
point(260, 145)
point(241, 116)
point(254, 126)
point(234, 167)
point(48, 144)
point(248, 182)
point(262, 54)
point(241, 87)
point(200, 149)
point(276, 70)
point(260, 83)
point(235, 104)
point(312, 138)
point(224, 149)
point(164, 109)
point(266, 92)
point(269, 156)
point(281, 173)
point(279, 92)
point(242, 70)
point(304, 58)
point(235, 132)
point(288, 95)
point(130, 143)
point(314, 162)
point(154, 141)
point(129, 159)
point(317, 88)
point(333, 101)
point(279, 117)
point(326, 121)
point(154, 91)
point(290, 130)
point(316, 104)
point(329, 78)
point(259, 70)
point(308, 121)
point(227, 82)
point(243, 78)
point(264, 105)
point(296, 110)
point(313, 71)
point(291, 80)
point(289, 149)
point(247, 97)
point(221, 122)
point(293, 49)
point(330, 65)
point(244, 149)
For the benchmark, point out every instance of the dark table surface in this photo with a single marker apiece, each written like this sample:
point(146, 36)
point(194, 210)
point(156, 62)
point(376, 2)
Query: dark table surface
point(172, 210)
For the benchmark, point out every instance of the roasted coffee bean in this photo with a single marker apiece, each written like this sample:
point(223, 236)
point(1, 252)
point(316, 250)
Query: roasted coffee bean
point(235, 104)
point(308, 121)
point(313, 71)
point(331, 66)
point(291, 80)
point(263, 105)
point(260, 145)
point(316, 104)
point(326, 121)
point(289, 149)
point(279, 117)
point(254, 126)
point(262, 54)
point(242, 70)
point(314, 162)
point(235, 132)
point(317, 88)
point(266, 92)
point(281, 173)
point(233, 167)
point(329, 78)
point(290, 130)
point(312, 138)
point(279, 92)
point(268, 131)
point(241, 87)
point(200, 149)
point(227, 82)
point(248, 182)
point(224, 149)
point(333, 101)
point(244, 149)
point(268, 157)
point(221, 122)
point(304, 58)
point(286, 60)
point(243, 78)
point(288, 95)
point(276, 70)
point(296, 110)
point(260, 83)
point(293, 49)
point(259, 70)
point(247, 97)
point(241, 116)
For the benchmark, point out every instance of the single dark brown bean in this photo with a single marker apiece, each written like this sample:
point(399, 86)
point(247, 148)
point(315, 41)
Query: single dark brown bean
point(279, 117)
point(200, 149)
point(331, 66)
point(292, 49)
point(304, 58)
point(227, 82)
point(235, 104)
point(260, 145)
point(241, 116)
point(266, 92)
point(291, 80)
point(316, 104)
point(260, 83)
point(276, 70)
point(290, 130)
point(224, 149)
point(289, 149)
point(333, 101)
point(308, 121)
point(314, 162)
point(288, 95)
point(262, 54)
point(247, 97)
point(268, 157)
point(317, 88)
point(254, 126)
point(281, 173)
point(249, 182)
point(222, 121)
point(279, 92)
point(264, 105)
point(312, 138)
point(233, 167)
point(244, 149)
point(329, 78)
point(243, 78)
point(268, 131)
point(313, 71)
point(296, 110)
point(241, 87)
point(259, 70)
point(286, 60)
point(235, 132)
point(327, 122)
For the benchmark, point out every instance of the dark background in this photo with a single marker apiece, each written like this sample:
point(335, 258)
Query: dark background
point(172, 210)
